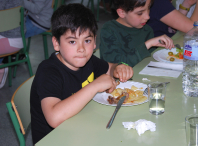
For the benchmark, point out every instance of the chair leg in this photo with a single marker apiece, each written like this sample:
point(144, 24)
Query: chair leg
point(92, 5)
point(9, 72)
point(45, 46)
point(104, 6)
point(98, 10)
point(28, 44)
point(29, 65)
point(15, 123)
point(15, 67)
point(97, 19)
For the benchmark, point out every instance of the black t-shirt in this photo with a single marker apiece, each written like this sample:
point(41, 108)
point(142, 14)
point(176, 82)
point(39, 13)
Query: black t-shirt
point(54, 79)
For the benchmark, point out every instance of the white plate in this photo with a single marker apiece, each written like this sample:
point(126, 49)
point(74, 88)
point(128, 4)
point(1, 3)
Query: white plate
point(162, 55)
point(103, 96)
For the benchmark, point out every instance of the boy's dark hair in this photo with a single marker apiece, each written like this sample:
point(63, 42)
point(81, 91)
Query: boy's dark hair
point(71, 17)
point(129, 5)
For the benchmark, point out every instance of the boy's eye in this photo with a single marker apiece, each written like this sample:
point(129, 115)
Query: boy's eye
point(72, 42)
point(139, 14)
point(87, 41)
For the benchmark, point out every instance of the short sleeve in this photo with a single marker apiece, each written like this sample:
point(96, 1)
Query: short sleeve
point(100, 66)
point(160, 8)
point(50, 83)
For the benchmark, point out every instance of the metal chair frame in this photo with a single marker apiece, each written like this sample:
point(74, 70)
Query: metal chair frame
point(16, 16)
point(19, 110)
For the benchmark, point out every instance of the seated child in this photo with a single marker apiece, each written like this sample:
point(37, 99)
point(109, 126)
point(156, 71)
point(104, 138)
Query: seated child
point(65, 83)
point(165, 19)
point(128, 39)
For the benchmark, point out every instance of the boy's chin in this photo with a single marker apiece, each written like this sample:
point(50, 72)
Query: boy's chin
point(81, 64)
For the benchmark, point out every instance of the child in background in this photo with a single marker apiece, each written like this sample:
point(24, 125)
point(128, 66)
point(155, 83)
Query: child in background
point(69, 79)
point(39, 15)
point(165, 19)
point(128, 39)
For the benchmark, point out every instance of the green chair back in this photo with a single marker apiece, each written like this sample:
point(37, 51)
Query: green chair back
point(8, 24)
point(10, 19)
point(19, 109)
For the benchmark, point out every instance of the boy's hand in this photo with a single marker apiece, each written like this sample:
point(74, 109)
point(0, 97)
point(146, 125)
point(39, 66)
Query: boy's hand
point(123, 72)
point(105, 83)
point(167, 42)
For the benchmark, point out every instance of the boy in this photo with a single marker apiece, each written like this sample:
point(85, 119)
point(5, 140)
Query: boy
point(128, 39)
point(65, 83)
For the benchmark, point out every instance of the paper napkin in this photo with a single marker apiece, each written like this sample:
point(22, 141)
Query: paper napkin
point(141, 126)
point(175, 72)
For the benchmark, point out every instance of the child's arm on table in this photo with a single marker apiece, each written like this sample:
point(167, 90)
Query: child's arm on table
point(56, 111)
point(167, 42)
point(122, 71)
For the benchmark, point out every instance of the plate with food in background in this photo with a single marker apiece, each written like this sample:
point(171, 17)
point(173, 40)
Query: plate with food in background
point(133, 89)
point(174, 55)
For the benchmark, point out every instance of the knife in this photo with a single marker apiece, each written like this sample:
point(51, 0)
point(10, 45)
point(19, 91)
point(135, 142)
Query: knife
point(115, 112)
point(163, 68)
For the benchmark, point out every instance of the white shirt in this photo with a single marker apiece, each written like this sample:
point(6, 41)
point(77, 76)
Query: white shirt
point(14, 42)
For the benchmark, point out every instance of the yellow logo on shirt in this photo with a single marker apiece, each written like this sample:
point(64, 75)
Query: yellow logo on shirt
point(89, 80)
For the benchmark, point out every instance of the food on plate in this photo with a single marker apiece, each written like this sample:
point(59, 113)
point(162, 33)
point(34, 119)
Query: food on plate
point(172, 57)
point(170, 53)
point(133, 95)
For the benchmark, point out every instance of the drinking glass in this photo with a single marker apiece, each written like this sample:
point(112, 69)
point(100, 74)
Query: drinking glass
point(156, 96)
point(191, 122)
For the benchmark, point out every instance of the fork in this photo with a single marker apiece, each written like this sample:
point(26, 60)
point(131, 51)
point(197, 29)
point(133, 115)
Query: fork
point(146, 90)
point(176, 45)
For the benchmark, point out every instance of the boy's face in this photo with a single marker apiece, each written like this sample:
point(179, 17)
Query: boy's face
point(136, 18)
point(75, 50)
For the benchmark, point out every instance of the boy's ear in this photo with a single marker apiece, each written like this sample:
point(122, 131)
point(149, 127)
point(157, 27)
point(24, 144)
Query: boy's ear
point(55, 44)
point(121, 13)
point(95, 42)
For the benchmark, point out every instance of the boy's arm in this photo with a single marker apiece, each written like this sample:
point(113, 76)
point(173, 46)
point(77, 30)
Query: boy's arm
point(167, 42)
point(122, 71)
point(112, 50)
point(56, 111)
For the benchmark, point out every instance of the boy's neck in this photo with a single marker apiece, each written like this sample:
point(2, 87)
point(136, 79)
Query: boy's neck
point(58, 55)
point(122, 21)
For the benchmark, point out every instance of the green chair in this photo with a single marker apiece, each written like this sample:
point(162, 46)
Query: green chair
point(19, 110)
point(92, 7)
point(174, 3)
point(10, 19)
point(55, 5)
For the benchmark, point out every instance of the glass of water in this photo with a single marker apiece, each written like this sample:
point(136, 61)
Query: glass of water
point(156, 96)
point(191, 122)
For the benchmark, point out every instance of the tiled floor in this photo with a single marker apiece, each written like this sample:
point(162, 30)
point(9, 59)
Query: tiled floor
point(7, 133)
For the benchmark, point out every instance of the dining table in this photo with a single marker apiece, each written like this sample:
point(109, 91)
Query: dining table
point(88, 127)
